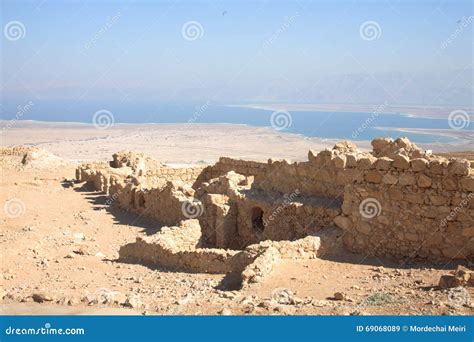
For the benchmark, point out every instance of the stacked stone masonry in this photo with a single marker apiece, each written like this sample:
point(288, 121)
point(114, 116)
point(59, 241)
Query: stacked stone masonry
point(396, 201)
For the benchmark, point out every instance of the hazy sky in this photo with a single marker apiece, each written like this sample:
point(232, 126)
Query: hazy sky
point(239, 51)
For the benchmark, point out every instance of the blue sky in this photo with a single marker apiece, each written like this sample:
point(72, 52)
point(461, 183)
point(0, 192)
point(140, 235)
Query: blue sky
point(247, 51)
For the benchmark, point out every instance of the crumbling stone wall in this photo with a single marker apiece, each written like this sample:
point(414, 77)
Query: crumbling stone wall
point(411, 207)
point(395, 201)
point(423, 203)
point(143, 168)
point(179, 248)
point(225, 165)
point(238, 215)
point(324, 174)
point(137, 183)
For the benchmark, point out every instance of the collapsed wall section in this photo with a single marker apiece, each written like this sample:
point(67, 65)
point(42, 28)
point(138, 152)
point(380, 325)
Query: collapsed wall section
point(224, 165)
point(238, 215)
point(179, 248)
point(139, 184)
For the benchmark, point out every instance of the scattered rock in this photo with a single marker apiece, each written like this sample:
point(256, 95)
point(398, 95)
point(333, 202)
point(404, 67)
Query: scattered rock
point(461, 276)
point(70, 256)
point(133, 301)
point(225, 312)
point(342, 296)
point(285, 297)
point(40, 297)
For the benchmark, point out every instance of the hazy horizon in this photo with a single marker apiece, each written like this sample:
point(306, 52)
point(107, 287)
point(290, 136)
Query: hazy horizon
point(237, 52)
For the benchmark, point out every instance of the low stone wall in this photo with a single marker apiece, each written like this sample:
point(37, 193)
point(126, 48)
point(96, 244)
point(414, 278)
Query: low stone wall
point(183, 174)
point(142, 185)
point(178, 248)
point(225, 165)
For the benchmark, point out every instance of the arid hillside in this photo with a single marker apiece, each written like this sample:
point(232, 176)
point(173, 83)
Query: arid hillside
point(62, 239)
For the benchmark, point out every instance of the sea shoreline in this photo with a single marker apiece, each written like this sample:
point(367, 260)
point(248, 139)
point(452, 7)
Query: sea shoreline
point(197, 144)
point(415, 111)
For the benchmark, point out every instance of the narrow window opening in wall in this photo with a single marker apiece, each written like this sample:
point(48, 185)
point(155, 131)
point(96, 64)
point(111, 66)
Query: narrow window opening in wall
point(257, 219)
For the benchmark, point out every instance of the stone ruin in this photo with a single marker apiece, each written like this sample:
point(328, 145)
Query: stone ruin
point(240, 217)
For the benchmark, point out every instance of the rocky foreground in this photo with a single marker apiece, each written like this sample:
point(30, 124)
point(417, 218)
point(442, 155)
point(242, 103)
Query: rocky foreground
point(60, 242)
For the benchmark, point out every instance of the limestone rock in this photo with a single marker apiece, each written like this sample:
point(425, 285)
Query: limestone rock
point(345, 146)
point(461, 276)
point(424, 181)
point(343, 222)
point(419, 164)
point(40, 297)
point(401, 162)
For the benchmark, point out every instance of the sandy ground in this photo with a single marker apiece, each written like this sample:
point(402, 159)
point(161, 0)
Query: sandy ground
point(174, 143)
point(62, 247)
